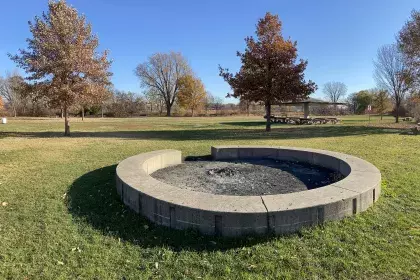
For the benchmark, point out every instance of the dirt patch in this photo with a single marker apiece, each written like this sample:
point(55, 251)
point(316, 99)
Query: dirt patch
point(250, 177)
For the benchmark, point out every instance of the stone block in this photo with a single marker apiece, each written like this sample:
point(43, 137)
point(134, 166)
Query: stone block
point(224, 153)
point(131, 197)
point(326, 161)
point(263, 153)
point(294, 155)
point(171, 158)
point(118, 183)
point(342, 208)
point(288, 221)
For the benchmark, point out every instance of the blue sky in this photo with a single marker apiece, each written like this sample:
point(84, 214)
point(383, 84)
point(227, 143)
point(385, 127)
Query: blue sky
point(339, 38)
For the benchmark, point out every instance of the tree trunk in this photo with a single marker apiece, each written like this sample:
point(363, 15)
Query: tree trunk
point(268, 115)
point(397, 117)
point(66, 122)
point(168, 110)
point(381, 116)
point(61, 111)
point(83, 113)
point(33, 108)
point(192, 112)
point(102, 111)
point(14, 111)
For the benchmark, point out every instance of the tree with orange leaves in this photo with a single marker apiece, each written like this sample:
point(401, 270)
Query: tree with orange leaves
point(269, 71)
point(192, 93)
point(61, 60)
point(1, 106)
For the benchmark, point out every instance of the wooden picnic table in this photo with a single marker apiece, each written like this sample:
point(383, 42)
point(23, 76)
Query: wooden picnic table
point(325, 120)
point(277, 119)
point(300, 120)
point(333, 120)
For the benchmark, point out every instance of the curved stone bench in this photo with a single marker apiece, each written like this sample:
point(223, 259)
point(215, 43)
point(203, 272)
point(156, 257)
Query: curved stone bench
point(226, 215)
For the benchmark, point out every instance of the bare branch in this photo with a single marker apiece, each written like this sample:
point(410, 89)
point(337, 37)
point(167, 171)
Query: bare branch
point(162, 72)
point(334, 91)
point(391, 73)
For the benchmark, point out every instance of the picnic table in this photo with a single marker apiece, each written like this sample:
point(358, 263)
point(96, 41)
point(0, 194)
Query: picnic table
point(333, 120)
point(416, 129)
point(325, 120)
point(278, 119)
point(300, 120)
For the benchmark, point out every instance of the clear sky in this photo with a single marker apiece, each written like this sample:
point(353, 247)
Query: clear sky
point(339, 38)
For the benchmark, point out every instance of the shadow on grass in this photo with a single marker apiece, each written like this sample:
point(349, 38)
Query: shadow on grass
point(93, 199)
point(287, 132)
point(251, 123)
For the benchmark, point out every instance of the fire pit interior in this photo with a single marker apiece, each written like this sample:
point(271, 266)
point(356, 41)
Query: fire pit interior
point(246, 177)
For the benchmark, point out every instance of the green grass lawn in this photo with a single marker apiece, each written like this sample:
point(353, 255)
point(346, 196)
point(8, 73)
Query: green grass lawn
point(61, 218)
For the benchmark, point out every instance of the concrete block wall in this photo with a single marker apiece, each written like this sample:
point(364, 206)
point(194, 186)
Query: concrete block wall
point(224, 215)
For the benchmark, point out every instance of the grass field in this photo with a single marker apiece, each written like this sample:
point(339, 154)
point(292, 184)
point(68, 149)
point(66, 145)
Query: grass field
point(60, 216)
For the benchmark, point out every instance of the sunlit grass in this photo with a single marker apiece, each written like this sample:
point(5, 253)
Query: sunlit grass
point(62, 219)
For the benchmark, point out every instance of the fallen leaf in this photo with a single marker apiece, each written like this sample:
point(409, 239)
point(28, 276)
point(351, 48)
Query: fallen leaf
point(157, 265)
point(60, 263)
point(76, 249)
point(252, 266)
point(4, 204)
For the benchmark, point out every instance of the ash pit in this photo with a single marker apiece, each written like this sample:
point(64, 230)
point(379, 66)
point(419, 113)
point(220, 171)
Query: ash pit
point(246, 177)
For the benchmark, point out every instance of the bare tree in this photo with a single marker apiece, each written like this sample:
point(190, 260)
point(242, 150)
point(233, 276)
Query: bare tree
point(218, 103)
point(334, 91)
point(154, 99)
point(391, 74)
point(9, 90)
point(126, 104)
point(244, 105)
point(208, 102)
point(162, 72)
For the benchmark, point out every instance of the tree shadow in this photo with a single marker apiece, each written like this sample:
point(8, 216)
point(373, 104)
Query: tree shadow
point(250, 123)
point(93, 199)
point(287, 132)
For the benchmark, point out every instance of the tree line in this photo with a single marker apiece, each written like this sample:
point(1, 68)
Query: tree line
point(397, 77)
point(65, 72)
point(116, 103)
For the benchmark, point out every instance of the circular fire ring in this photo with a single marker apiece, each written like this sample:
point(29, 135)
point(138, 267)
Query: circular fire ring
point(228, 215)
